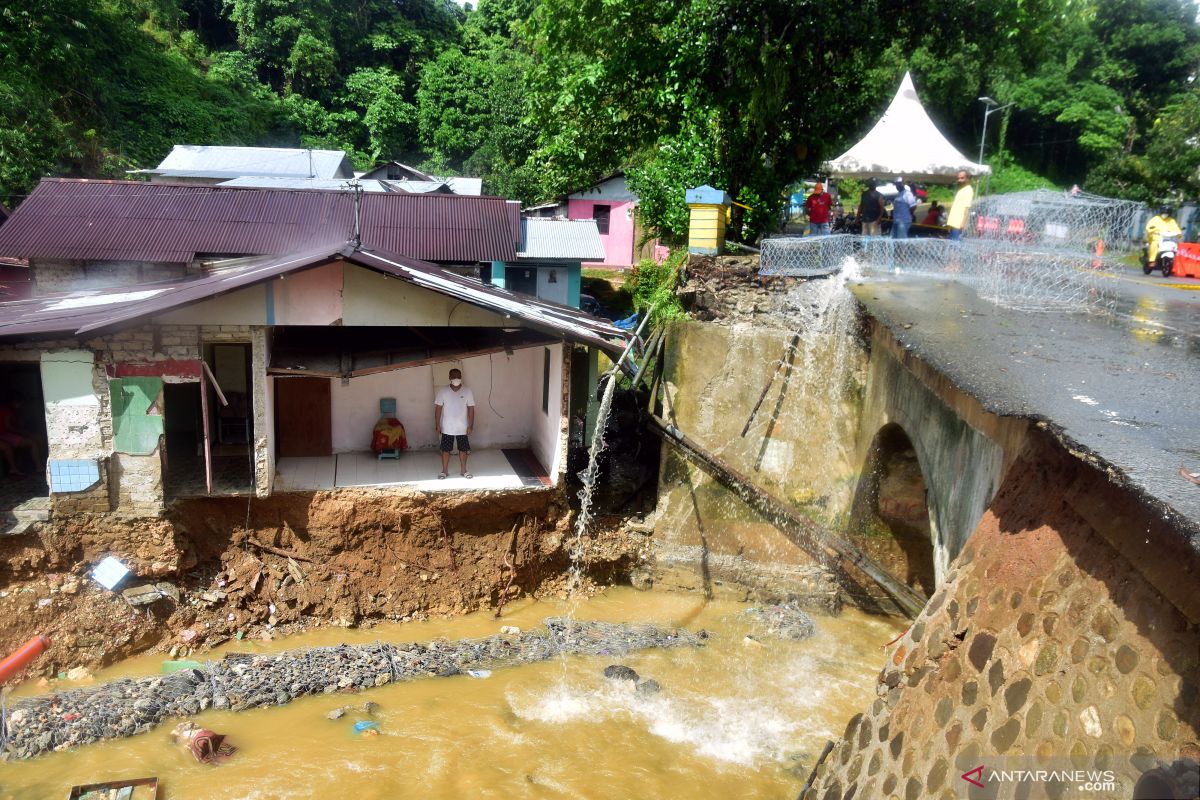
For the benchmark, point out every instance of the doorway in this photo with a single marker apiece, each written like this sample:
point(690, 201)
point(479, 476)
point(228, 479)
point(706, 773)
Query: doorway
point(521, 279)
point(183, 427)
point(303, 424)
point(230, 425)
point(23, 441)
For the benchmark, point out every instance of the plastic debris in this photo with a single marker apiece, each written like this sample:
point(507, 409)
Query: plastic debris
point(367, 726)
point(480, 673)
point(109, 572)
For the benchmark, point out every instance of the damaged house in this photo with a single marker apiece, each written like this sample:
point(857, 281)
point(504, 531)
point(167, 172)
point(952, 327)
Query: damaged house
point(185, 340)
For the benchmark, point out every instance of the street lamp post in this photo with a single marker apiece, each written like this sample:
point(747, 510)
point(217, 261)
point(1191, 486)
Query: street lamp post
point(990, 107)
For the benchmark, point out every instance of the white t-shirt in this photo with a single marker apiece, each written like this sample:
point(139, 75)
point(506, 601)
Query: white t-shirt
point(454, 409)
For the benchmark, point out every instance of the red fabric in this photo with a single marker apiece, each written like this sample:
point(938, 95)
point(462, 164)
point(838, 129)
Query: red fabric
point(389, 435)
point(1187, 260)
point(817, 206)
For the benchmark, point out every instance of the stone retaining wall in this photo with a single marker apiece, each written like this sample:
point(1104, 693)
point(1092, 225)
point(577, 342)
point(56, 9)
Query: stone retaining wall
point(1043, 641)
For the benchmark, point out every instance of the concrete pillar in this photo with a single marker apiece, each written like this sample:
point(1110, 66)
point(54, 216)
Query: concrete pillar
point(264, 418)
point(706, 226)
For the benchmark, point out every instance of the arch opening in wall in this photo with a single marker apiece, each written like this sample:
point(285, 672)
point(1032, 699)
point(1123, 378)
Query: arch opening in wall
point(890, 514)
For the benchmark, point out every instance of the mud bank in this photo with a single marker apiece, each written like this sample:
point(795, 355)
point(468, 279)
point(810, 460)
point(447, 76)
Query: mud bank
point(265, 567)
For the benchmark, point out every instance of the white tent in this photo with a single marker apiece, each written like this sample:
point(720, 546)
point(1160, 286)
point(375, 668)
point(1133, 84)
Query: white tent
point(905, 142)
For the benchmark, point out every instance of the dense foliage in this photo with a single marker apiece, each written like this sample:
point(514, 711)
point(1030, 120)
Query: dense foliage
point(540, 97)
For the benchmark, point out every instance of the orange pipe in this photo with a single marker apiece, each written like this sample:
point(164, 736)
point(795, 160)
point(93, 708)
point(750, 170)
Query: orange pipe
point(21, 658)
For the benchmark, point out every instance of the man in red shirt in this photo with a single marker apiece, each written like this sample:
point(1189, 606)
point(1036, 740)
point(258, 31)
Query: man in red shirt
point(817, 207)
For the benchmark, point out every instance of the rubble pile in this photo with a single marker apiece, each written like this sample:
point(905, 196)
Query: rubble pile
point(783, 621)
point(729, 289)
point(36, 725)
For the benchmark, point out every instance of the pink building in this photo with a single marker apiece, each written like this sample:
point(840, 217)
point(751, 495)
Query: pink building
point(611, 205)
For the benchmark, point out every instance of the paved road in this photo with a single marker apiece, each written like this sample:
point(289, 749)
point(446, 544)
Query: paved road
point(1124, 386)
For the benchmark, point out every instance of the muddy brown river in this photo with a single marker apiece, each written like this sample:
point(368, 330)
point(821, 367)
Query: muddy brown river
point(736, 718)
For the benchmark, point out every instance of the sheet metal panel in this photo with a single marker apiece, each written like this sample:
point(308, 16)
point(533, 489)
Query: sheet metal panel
point(123, 220)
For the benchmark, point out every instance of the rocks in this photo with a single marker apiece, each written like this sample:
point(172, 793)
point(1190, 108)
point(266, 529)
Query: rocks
point(242, 680)
point(784, 621)
point(337, 713)
point(620, 672)
point(649, 686)
point(79, 674)
point(509, 630)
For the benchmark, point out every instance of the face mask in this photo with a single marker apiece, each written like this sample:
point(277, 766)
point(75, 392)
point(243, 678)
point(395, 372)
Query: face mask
point(456, 382)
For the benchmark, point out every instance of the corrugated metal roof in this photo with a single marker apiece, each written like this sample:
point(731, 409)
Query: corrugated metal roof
point(201, 161)
point(570, 239)
point(133, 221)
point(471, 186)
point(343, 184)
point(90, 313)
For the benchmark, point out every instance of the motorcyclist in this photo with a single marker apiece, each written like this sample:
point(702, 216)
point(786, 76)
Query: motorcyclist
point(1160, 225)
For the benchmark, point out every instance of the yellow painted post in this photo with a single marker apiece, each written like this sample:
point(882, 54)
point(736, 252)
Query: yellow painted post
point(706, 223)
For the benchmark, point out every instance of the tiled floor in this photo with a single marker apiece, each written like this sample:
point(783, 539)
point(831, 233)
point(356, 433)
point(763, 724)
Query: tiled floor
point(185, 476)
point(491, 468)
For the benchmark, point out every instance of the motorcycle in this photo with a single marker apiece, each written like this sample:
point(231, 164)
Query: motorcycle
point(1164, 262)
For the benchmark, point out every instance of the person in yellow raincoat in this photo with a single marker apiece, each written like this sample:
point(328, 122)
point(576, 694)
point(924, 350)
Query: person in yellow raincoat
point(1162, 224)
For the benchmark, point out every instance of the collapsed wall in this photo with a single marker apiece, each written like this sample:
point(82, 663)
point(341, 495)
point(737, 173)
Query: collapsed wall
point(1045, 640)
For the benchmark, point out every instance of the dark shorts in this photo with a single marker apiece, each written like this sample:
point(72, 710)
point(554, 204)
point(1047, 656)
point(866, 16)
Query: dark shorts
point(448, 442)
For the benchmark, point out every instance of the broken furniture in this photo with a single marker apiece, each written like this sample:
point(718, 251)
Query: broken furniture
point(133, 789)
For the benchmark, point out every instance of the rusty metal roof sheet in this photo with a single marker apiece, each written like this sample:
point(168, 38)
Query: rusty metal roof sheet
point(90, 313)
point(130, 221)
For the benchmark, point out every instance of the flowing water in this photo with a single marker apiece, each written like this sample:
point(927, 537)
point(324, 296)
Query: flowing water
point(733, 719)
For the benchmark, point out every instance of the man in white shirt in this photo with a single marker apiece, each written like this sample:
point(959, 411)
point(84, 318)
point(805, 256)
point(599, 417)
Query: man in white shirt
point(454, 417)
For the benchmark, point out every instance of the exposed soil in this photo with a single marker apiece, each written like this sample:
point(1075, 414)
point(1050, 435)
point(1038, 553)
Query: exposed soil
point(729, 289)
point(341, 558)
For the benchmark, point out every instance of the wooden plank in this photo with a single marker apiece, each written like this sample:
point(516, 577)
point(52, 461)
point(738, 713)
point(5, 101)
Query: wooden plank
point(207, 435)
point(806, 534)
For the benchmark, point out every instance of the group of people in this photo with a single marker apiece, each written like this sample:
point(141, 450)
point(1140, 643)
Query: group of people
point(872, 209)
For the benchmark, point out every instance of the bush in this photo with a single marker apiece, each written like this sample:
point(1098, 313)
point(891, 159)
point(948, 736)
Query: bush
point(653, 286)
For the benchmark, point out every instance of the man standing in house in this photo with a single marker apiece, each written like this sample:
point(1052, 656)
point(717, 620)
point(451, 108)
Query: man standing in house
point(454, 417)
point(902, 210)
point(957, 220)
point(817, 207)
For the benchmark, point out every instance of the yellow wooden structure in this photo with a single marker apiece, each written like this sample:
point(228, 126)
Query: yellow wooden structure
point(706, 223)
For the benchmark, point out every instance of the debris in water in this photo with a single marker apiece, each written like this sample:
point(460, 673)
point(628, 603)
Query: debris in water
point(783, 621)
point(509, 630)
point(207, 747)
point(620, 672)
point(242, 681)
point(337, 713)
point(367, 727)
point(649, 686)
point(480, 673)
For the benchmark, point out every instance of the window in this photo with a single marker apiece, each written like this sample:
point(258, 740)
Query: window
point(601, 214)
point(545, 380)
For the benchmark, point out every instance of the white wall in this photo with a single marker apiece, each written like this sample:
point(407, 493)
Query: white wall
point(557, 291)
point(545, 440)
point(505, 421)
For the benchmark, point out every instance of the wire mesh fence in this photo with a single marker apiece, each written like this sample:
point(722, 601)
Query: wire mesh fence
point(1013, 275)
point(1050, 220)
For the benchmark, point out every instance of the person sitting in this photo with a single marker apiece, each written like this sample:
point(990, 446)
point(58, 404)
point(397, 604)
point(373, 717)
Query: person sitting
point(1160, 225)
point(934, 215)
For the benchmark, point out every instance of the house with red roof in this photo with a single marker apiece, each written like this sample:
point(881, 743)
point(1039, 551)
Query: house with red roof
point(187, 340)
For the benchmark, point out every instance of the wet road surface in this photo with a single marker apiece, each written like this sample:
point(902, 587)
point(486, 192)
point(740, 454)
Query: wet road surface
point(1123, 385)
